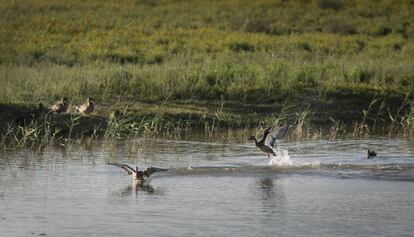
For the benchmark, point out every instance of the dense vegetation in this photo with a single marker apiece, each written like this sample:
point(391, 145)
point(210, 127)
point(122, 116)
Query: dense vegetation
point(241, 50)
point(357, 52)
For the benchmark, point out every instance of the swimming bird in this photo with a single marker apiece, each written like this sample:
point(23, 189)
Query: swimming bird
point(371, 154)
point(268, 141)
point(88, 107)
point(60, 106)
point(137, 175)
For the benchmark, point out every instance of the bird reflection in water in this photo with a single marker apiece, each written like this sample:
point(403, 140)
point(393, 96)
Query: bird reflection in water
point(272, 194)
point(135, 187)
point(267, 188)
point(273, 200)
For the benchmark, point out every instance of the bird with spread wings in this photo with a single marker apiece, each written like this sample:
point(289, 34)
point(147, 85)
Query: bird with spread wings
point(138, 175)
point(268, 141)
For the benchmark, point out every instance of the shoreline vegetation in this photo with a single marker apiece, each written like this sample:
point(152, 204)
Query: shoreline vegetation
point(332, 68)
point(221, 120)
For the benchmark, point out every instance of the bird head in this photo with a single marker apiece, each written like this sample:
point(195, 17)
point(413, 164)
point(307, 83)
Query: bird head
point(65, 100)
point(91, 100)
point(251, 138)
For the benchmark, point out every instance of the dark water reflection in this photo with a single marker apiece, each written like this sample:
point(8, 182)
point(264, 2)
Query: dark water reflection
point(272, 194)
point(212, 189)
point(134, 188)
point(273, 204)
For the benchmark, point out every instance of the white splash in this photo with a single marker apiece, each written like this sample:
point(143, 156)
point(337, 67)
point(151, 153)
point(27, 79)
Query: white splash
point(312, 164)
point(281, 159)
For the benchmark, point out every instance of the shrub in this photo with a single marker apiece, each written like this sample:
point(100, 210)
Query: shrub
point(339, 26)
point(241, 46)
point(305, 46)
point(364, 76)
point(257, 26)
point(122, 59)
point(330, 4)
point(382, 30)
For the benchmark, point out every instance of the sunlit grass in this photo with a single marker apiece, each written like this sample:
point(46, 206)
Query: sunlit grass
point(236, 50)
point(345, 64)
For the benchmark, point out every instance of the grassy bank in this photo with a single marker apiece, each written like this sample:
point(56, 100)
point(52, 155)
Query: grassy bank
point(242, 63)
point(23, 127)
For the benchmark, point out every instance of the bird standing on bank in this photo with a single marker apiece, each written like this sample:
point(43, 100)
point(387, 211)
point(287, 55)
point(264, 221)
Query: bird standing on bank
point(60, 106)
point(88, 107)
point(268, 141)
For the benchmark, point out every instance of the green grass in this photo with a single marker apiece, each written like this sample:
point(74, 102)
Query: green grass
point(332, 56)
point(22, 127)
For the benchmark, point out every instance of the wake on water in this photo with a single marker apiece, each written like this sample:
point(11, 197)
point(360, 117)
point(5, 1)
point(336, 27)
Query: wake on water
point(281, 159)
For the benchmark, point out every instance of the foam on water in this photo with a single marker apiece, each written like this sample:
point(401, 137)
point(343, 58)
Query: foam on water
point(281, 159)
point(312, 164)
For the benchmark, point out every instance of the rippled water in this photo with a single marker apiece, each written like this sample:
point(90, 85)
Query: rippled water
point(212, 189)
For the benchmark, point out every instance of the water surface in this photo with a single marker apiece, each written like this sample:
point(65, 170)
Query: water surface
point(212, 189)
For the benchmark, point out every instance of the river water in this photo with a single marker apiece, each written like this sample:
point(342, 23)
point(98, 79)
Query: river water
point(313, 188)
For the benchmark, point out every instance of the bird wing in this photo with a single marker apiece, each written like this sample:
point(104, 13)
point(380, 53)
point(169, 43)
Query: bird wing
point(265, 134)
point(150, 170)
point(276, 133)
point(125, 167)
point(81, 108)
point(56, 107)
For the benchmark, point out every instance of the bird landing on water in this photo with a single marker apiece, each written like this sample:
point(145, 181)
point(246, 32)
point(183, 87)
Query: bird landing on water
point(137, 175)
point(268, 141)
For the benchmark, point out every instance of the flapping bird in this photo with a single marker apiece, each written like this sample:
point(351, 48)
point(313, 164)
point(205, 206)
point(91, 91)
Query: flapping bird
point(371, 154)
point(88, 107)
point(60, 106)
point(268, 141)
point(137, 175)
